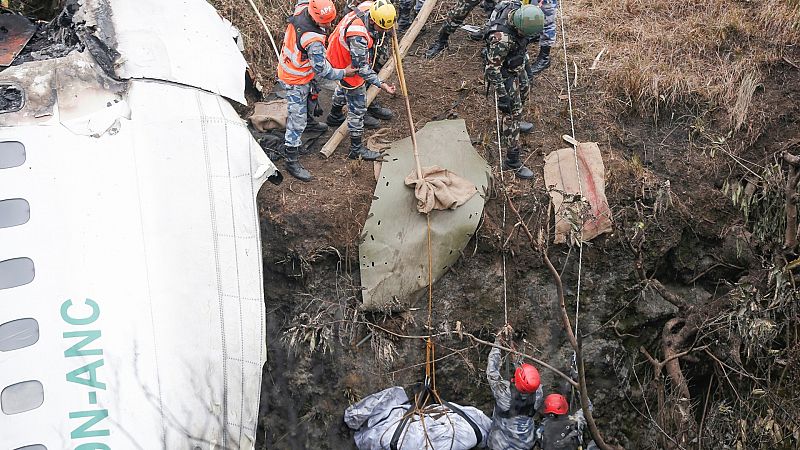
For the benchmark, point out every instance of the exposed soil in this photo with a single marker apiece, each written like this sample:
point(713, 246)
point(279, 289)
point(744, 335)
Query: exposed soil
point(694, 240)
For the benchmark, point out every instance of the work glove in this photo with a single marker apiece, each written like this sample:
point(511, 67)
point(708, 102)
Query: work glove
point(314, 106)
point(504, 104)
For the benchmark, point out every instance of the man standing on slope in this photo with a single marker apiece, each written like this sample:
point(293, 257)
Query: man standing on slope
point(516, 402)
point(509, 31)
point(302, 56)
point(349, 45)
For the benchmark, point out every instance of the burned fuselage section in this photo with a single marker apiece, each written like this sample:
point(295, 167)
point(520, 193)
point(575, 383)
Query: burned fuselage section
point(142, 274)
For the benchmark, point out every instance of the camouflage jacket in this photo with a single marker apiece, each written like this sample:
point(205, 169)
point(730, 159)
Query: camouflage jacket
point(505, 48)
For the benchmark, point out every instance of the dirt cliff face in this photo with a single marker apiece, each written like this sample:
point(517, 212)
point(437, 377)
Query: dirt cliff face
point(687, 318)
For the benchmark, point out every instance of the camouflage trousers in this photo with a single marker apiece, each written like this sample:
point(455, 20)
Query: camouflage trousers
point(356, 101)
point(548, 36)
point(407, 4)
point(297, 99)
point(517, 87)
point(456, 16)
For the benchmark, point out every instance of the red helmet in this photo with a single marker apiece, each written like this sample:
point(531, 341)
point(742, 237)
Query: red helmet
point(555, 404)
point(526, 379)
point(322, 11)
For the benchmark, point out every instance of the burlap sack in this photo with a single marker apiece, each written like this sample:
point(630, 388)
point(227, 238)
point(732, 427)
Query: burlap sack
point(270, 115)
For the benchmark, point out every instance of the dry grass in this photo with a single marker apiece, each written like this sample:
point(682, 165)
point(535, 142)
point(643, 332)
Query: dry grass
point(257, 48)
point(685, 56)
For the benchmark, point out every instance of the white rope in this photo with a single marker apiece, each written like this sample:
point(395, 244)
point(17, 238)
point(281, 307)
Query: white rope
point(575, 152)
point(266, 28)
point(503, 182)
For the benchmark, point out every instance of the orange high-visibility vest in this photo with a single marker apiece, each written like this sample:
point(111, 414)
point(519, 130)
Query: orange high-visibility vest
point(295, 68)
point(338, 49)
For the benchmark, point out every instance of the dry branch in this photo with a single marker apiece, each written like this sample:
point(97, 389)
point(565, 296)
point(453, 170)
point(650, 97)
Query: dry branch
point(791, 198)
point(584, 393)
point(387, 71)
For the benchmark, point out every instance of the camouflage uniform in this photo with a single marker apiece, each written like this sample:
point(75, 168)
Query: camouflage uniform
point(356, 98)
point(506, 58)
point(548, 36)
point(456, 16)
point(297, 95)
point(509, 431)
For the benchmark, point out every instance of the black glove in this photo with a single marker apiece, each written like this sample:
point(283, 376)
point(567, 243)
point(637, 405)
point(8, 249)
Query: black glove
point(504, 104)
point(315, 107)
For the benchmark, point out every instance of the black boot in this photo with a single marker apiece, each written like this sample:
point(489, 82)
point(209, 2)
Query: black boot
point(314, 126)
point(512, 162)
point(542, 61)
point(439, 44)
point(357, 150)
point(371, 123)
point(379, 112)
point(525, 127)
point(336, 116)
point(404, 19)
point(293, 164)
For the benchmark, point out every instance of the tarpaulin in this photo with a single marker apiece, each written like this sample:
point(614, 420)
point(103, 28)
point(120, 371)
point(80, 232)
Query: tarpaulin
point(447, 427)
point(393, 255)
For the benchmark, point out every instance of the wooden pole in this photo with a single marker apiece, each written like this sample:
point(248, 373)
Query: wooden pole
point(387, 71)
point(404, 89)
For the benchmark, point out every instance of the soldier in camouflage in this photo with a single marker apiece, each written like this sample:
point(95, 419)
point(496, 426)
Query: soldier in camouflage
point(516, 401)
point(457, 15)
point(510, 28)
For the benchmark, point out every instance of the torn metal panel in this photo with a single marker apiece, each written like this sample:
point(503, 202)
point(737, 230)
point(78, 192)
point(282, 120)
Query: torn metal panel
point(15, 32)
point(36, 80)
point(89, 102)
point(155, 223)
point(11, 98)
point(561, 174)
point(142, 198)
point(183, 41)
point(393, 255)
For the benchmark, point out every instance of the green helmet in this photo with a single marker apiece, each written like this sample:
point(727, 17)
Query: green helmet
point(528, 19)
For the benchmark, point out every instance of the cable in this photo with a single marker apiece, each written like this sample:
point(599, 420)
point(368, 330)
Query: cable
point(503, 182)
point(577, 166)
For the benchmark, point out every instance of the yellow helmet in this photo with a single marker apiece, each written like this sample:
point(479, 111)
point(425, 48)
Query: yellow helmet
point(382, 12)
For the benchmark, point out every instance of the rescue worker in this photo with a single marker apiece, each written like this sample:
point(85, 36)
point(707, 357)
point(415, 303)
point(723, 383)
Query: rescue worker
point(379, 55)
point(510, 28)
point(558, 429)
point(303, 56)
point(350, 43)
point(516, 401)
